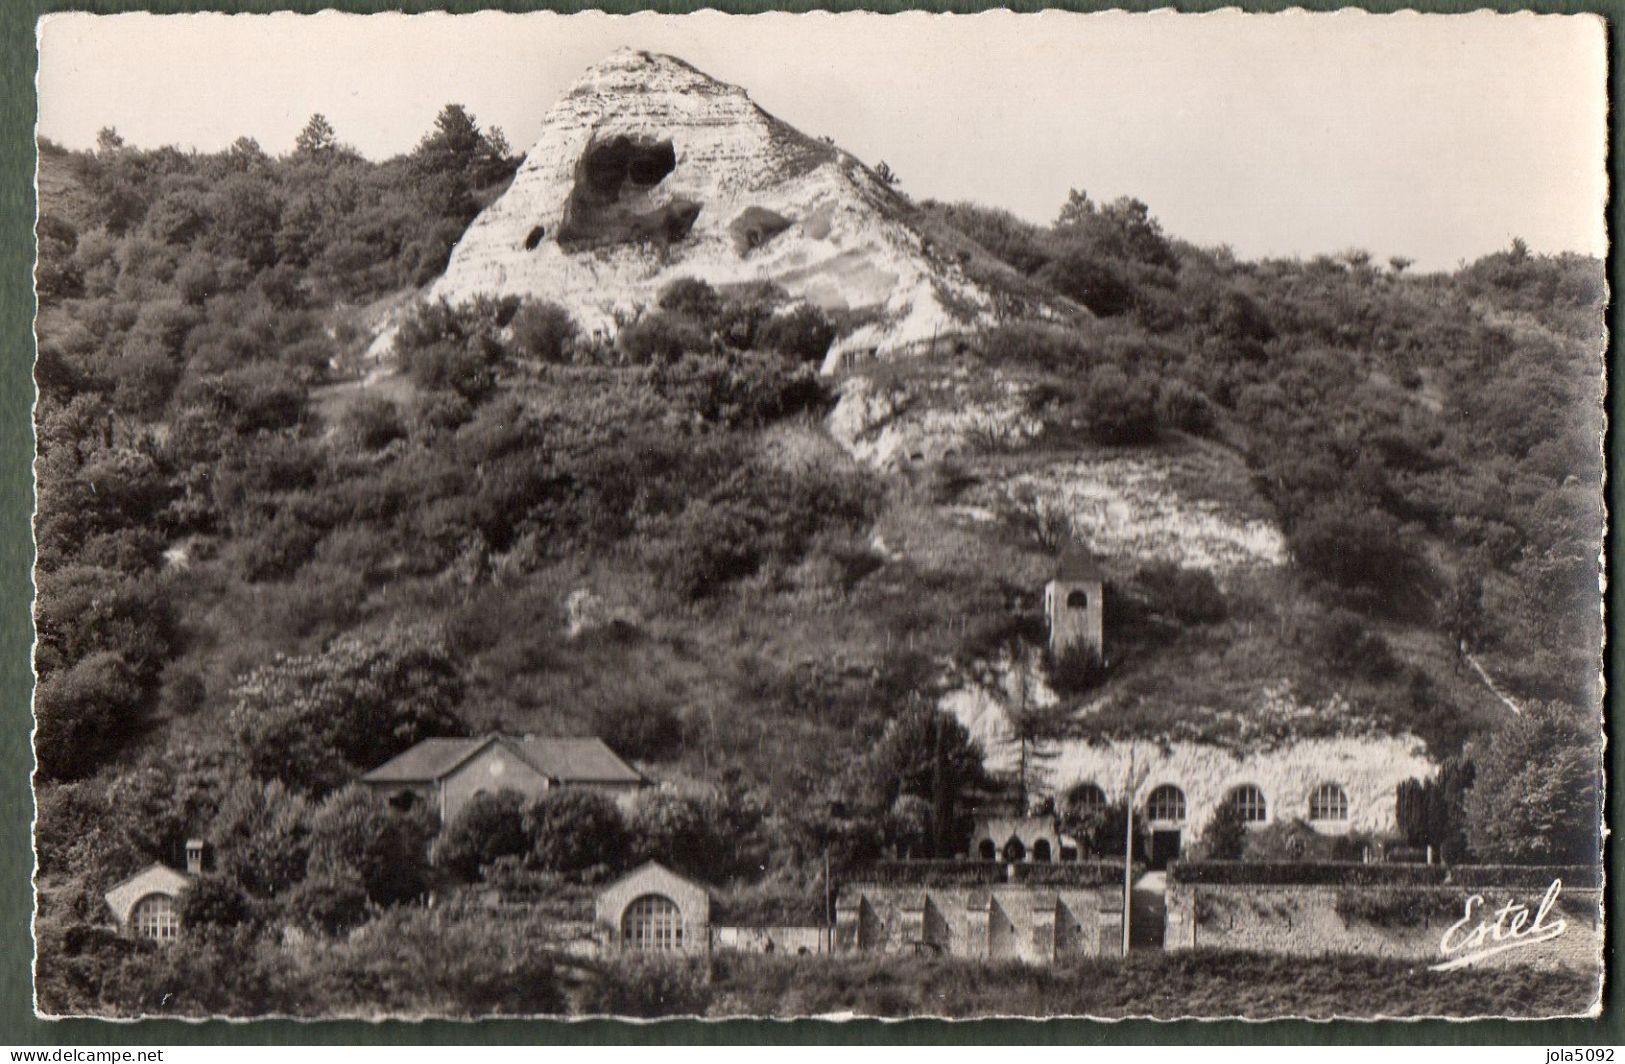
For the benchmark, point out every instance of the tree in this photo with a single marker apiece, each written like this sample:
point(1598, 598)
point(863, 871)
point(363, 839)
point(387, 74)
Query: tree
point(329, 903)
point(84, 713)
point(215, 901)
point(355, 833)
point(886, 175)
point(544, 331)
point(1432, 812)
point(489, 826)
point(312, 721)
point(317, 140)
point(674, 830)
point(1077, 209)
point(572, 829)
point(261, 837)
point(1225, 836)
point(908, 826)
point(1536, 797)
point(928, 754)
point(1399, 263)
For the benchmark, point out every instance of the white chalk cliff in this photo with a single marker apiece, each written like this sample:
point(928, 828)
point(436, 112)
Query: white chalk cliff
point(648, 170)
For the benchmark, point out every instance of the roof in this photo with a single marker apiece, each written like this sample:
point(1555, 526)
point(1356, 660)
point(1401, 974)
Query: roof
point(156, 878)
point(648, 867)
point(1077, 563)
point(576, 760)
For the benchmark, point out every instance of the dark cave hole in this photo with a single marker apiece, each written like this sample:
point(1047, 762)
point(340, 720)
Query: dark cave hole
point(534, 238)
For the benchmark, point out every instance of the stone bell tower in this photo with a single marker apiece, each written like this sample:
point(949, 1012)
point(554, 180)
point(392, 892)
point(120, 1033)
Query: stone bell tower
point(1074, 603)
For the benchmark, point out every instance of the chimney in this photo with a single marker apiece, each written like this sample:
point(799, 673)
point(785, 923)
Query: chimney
point(194, 857)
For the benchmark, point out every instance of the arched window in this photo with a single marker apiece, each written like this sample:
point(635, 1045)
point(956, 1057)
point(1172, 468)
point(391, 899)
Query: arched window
point(1086, 797)
point(1014, 851)
point(154, 917)
point(1248, 800)
point(1165, 803)
point(1329, 802)
point(1041, 851)
point(987, 851)
point(1077, 600)
point(652, 922)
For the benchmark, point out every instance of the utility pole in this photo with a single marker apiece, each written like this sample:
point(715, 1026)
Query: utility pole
point(1131, 783)
point(829, 918)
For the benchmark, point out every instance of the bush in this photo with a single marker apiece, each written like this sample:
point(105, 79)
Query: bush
point(1225, 836)
point(660, 339)
point(83, 714)
point(804, 334)
point(1120, 411)
point(373, 421)
point(215, 901)
point(1192, 596)
point(489, 827)
point(637, 727)
point(647, 988)
point(1348, 646)
point(572, 830)
point(544, 331)
point(1076, 669)
point(692, 298)
point(329, 903)
point(354, 833)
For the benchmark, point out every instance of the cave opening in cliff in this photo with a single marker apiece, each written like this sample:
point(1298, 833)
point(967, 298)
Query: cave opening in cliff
point(614, 198)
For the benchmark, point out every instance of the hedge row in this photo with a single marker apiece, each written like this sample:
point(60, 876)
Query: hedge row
point(1355, 874)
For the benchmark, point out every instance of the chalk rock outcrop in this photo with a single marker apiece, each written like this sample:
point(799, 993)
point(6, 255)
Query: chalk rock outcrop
point(648, 170)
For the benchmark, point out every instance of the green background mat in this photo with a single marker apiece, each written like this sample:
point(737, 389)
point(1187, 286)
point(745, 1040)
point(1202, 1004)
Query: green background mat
point(18, 1024)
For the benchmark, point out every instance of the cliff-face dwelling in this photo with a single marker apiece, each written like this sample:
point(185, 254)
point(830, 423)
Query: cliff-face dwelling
point(647, 170)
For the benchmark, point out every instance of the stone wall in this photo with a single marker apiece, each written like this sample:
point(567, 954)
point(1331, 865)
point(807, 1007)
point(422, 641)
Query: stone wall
point(1039, 925)
point(1405, 922)
point(787, 939)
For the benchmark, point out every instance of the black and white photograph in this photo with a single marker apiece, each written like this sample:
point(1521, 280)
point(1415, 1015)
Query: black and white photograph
point(820, 516)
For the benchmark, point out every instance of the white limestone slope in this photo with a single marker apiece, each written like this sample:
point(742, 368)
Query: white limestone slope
point(845, 247)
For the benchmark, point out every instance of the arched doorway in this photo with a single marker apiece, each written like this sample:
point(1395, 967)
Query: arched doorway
point(1014, 851)
point(987, 851)
point(652, 923)
point(1041, 851)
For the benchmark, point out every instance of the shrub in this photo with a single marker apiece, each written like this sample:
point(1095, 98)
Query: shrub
point(1182, 407)
point(658, 339)
point(1120, 411)
point(329, 903)
point(638, 727)
point(1192, 596)
point(373, 421)
point(354, 833)
point(489, 827)
point(1076, 669)
point(1225, 836)
point(84, 713)
point(691, 298)
point(544, 331)
point(804, 334)
point(215, 901)
point(647, 988)
point(572, 830)
point(1349, 647)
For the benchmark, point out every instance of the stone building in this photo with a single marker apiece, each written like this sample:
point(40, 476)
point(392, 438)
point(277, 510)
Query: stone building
point(147, 904)
point(1074, 603)
point(652, 909)
point(446, 773)
point(1014, 839)
point(1337, 786)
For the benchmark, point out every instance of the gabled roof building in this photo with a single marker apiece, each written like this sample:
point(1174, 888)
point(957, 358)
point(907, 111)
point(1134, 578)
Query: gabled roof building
point(446, 774)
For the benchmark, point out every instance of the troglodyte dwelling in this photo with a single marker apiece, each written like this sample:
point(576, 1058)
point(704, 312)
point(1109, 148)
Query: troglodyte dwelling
point(446, 773)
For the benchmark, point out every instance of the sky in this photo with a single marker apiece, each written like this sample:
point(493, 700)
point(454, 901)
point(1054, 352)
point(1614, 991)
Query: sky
point(1435, 137)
